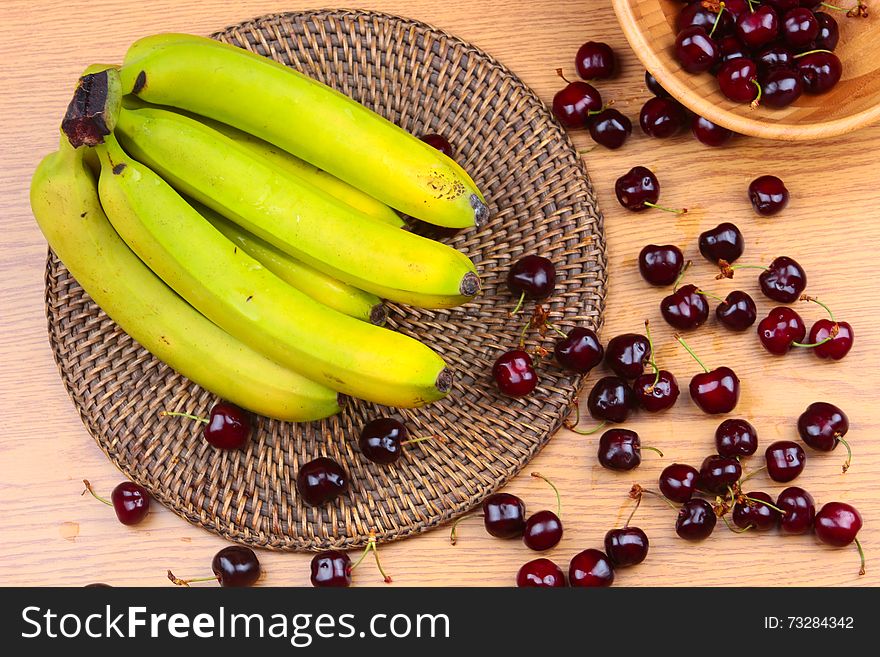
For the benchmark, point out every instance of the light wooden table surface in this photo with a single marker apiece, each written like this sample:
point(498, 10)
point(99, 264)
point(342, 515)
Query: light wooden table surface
point(50, 535)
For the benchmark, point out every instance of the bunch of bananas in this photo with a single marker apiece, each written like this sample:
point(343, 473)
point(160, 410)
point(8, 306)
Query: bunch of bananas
point(235, 218)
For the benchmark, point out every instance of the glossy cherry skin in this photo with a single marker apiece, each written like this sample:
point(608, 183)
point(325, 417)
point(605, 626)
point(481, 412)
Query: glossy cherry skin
point(773, 57)
point(685, 309)
point(782, 6)
point(694, 14)
point(780, 329)
point(543, 531)
point(715, 392)
point(514, 373)
point(236, 566)
point(799, 27)
point(380, 440)
point(768, 195)
point(758, 28)
point(838, 346)
point(718, 473)
point(737, 80)
point(610, 128)
point(637, 187)
point(695, 51)
point(331, 569)
point(800, 510)
point(321, 481)
point(784, 280)
point(736, 438)
point(696, 520)
point(573, 103)
point(504, 515)
point(661, 265)
point(819, 71)
point(678, 482)
point(131, 502)
point(627, 354)
point(708, 133)
point(785, 460)
point(732, 48)
point(661, 117)
point(627, 546)
point(754, 514)
point(439, 142)
point(738, 311)
point(829, 32)
point(781, 88)
point(540, 573)
point(228, 427)
point(654, 87)
point(532, 275)
point(580, 350)
point(837, 524)
point(590, 568)
point(822, 426)
point(595, 61)
point(610, 400)
point(724, 242)
point(656, 393)
point(620, 449)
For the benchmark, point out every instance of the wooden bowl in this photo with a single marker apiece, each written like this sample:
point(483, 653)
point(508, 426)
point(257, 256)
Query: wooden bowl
point(649, 25)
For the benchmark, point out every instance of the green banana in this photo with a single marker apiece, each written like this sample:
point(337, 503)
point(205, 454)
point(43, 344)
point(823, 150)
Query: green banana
point(314, 228)
point(320, 287)
point(237, 293)
point(64, 199)
point(306, 118)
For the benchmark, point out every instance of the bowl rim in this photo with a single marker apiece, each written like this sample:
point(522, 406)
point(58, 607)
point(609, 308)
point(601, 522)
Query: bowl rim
point(723, 117)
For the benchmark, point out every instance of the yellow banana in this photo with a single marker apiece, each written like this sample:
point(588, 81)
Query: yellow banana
point(300, 220)
point(237, 293)
point(306, 118)
point(64, 199)
point(320, 287)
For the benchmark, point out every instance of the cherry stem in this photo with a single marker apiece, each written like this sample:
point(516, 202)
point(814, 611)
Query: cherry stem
point(187, 582)
point(633, 512)
point(522, 333)
point(710, 295)
point(652, 362)
point(452, 537)
point(556, 329)
point(690, 351)
point(848, 461)
point(371, 547)
point(721, 7)
point(653, 449)
point(736, 530)
point(590, 432)
point(659, 496)
point(862, 570)
point(577, 421)
point(754, 500)
point(809, 52)
point(814, 344)
point(94, 494)
point(681, 275)
point(760, 95)
point(560, 74)
point(519, 304)
point(555, 490)
point(601, 109)
point(807, 297)
point(664, 208)
point(187, 415)
point(751, 4)
point(727, 269)
point(860, 10)
point(751, 474)
point(422, 439)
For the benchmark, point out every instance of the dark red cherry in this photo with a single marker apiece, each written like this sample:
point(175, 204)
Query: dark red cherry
point(626, 546)
point(838, 346)
point(782, 87)
point(620, 449)
point(736, 8)
point(708, 133)
point(718, 473)
point(685, 309)
point(543, 531)
point(837, 524)
point(782, 6)
point(321, 481)
point(638, 189)
point(784, 280)
point(439, 142)
point(695, 50)
point(661, 117)
point(724, 242)
point(331, 568)
point(131, 502)
point(799, 27)
point(780, 329)
point(768, 195)
point(695, 14)
point(696, 520)
point(773, 57)
point(661, 265)
point(590, 568)
point(736, 438)
point(595, 61)
point(799, 510)
point(819, 71)
point(654, 87)
point(678, 482)
point(738, 311)
point(610, 400)
point(656, 392)
point(532, 276)
point(514, 373)
point(785, 460)
point(228, 427)
point(753, 512)
point(504, 515)
point(573, 103)
point(627, 354)
point(610, 128)
point(758, 28)
point(822, 426)
point(381, 440)
point(829, 32)
point(579, 351)
point(715, 392)
point(236, 566)
point(731, 48)
point(738, 80)
point(540, 573)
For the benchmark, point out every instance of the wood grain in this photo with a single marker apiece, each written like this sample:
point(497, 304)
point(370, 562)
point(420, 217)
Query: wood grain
point(51, 535)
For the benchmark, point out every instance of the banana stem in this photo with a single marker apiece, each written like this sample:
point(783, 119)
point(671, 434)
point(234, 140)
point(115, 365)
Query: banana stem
point(94, 108)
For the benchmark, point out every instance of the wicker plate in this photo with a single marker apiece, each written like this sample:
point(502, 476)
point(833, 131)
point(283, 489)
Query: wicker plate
point(542, 202)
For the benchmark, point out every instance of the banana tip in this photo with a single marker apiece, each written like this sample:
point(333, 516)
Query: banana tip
point(470, 284)
point(379, 314)
point(481, 211)
point(444, 380)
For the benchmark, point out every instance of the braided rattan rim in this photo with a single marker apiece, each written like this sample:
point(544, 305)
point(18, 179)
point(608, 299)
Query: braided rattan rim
point(542, 202)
